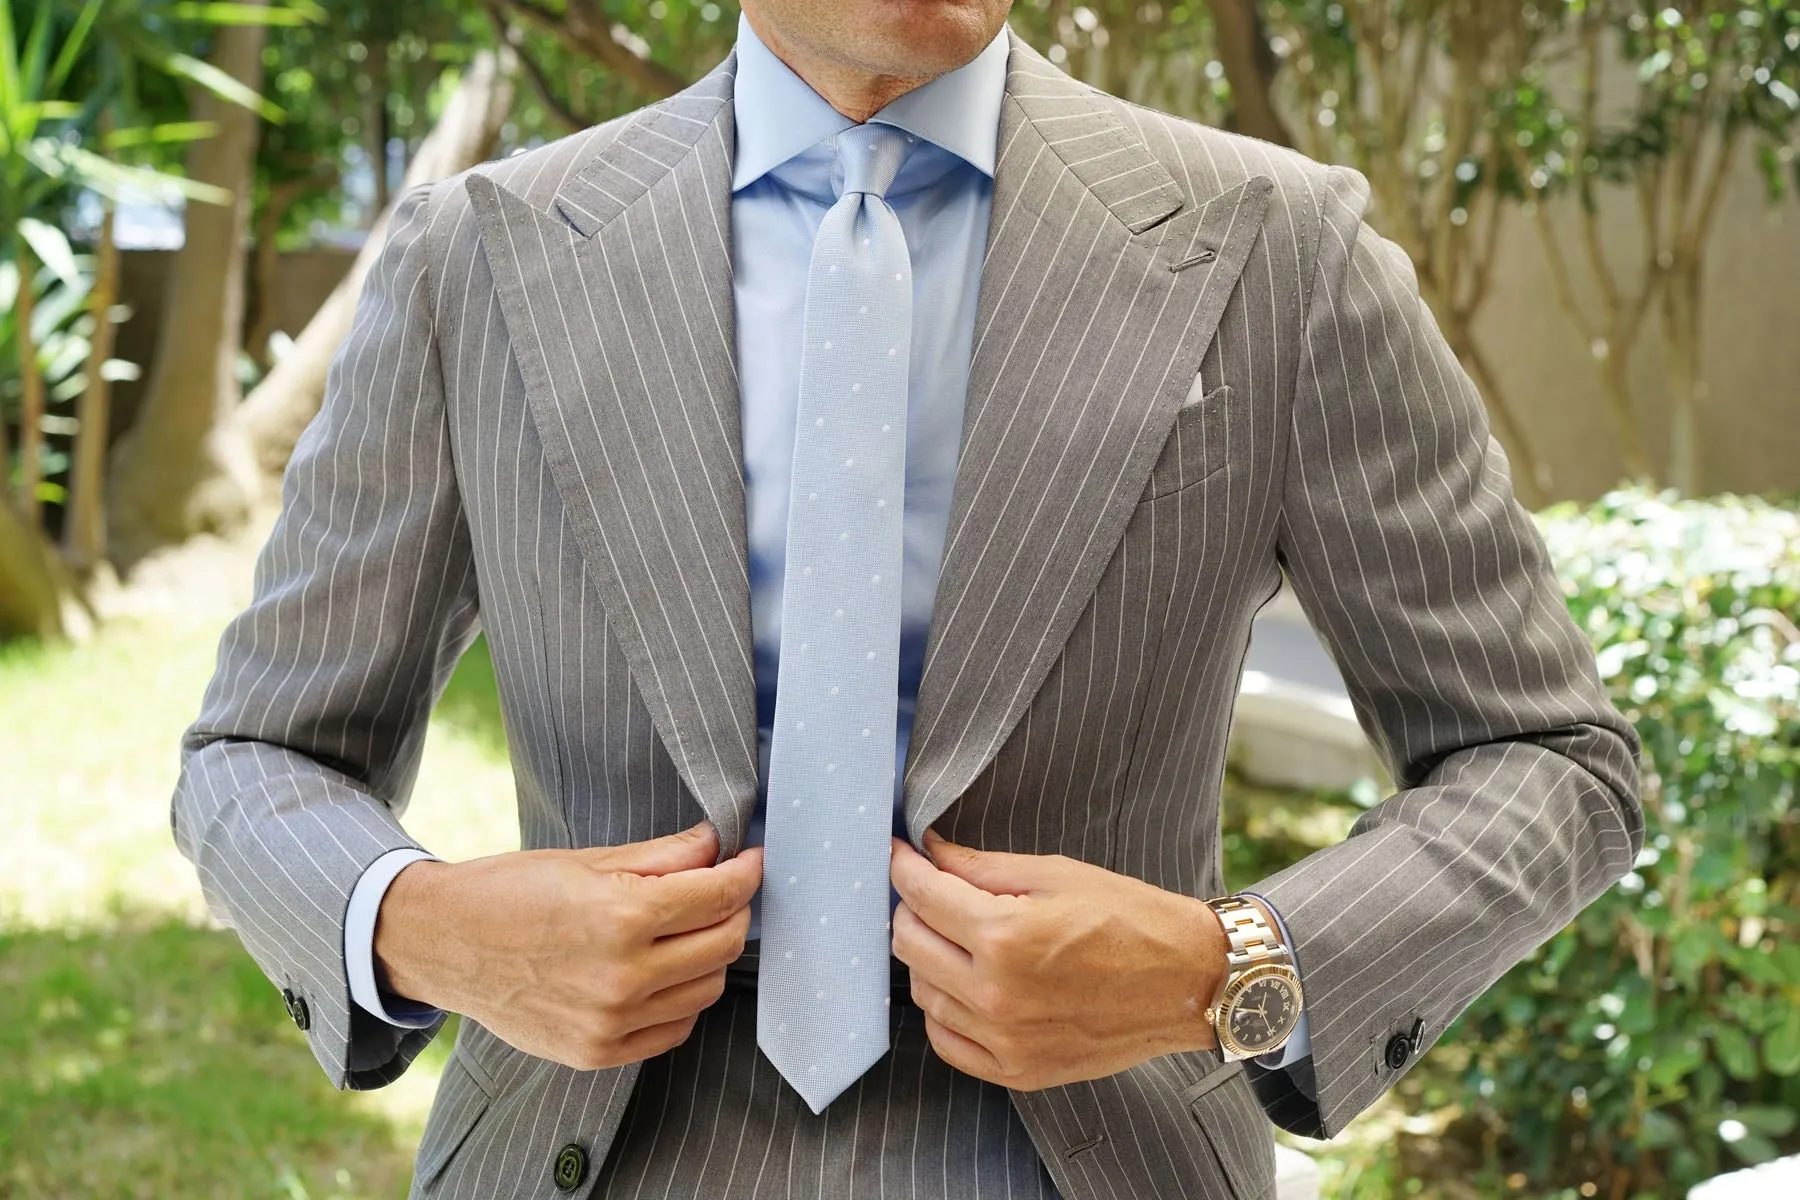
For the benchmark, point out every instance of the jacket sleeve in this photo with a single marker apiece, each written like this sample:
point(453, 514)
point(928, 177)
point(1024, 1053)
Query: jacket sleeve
point(308, 740)
point(1517, 801)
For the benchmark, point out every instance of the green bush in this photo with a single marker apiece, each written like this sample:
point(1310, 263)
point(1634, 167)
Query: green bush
point(1656, 1041)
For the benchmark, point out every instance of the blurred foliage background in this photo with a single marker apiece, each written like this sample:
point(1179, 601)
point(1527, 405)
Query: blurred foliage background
point(145, 420)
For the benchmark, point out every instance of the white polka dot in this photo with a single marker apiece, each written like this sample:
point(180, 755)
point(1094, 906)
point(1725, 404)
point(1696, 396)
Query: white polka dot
point(863, 309)
point(881, 504)
point(815, 1066)
point(808, 571)
point(796, 804)
point(827, 345)
point(855, 958)
point(874, 579)
point(885, 428)
point(862, 808)
point(783, 1026)
point(833, 267)
point(834, 691)
point(865, 733)
point(818, 420)
point(856, 387)
point(819, 995)
point(789, 954)
point(897, 275)
point(843, 535)
point(849, 462)
point(865, 241)
point(812, 495)
point(830, 767)
point(852, 1036)
point(893, 350)
point(828, 844)
point(792, 879)
point(803, 646)
point(800, 724)
point(857, 886)
point(838, 613)
point(870, 654)
point(824, 920)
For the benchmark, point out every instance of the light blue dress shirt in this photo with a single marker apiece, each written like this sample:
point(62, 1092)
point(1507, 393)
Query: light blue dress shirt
point(784, 178)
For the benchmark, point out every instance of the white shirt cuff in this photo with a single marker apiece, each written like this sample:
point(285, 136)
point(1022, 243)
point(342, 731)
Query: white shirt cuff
point(1299, 1043)
point(359, 942)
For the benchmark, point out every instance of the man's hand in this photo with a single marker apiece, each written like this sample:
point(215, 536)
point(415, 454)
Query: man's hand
point(1037, 970)
point(591, 958)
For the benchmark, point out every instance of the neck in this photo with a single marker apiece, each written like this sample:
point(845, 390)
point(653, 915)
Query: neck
point(856, 93)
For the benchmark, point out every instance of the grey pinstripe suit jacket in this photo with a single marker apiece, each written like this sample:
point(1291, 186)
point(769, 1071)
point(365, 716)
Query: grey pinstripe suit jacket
point(1195, 367)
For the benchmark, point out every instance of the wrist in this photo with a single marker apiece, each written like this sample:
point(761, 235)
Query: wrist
point(1198, 1031)
point(406, 944)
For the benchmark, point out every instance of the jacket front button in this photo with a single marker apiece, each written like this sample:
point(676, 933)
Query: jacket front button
point(570, 1167)
point(1399, 1049)
point(296, 1008)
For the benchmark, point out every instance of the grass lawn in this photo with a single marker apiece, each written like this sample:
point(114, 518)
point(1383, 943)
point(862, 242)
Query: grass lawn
point(142, 1053)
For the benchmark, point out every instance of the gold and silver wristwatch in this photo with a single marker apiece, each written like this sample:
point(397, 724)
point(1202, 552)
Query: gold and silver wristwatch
point(1258, 1002)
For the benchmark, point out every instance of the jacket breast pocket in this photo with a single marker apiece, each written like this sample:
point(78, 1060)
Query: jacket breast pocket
point(1199, 444)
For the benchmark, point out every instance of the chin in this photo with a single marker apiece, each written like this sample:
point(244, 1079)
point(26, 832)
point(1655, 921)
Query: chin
point(917, 37)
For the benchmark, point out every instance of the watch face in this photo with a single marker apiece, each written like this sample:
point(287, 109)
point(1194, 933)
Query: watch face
point(1263, 1011)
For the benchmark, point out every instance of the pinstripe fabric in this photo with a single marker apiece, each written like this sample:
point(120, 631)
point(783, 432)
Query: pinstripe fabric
point(1195, 367)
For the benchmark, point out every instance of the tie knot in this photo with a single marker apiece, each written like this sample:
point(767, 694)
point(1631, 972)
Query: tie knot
point(871, 156)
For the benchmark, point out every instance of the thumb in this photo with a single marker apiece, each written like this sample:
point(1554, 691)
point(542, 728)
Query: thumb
point(695, 846)
point(994, 871)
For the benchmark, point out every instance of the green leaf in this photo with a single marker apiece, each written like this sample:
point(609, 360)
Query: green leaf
point(1658, 1130)
point(1670, 1068)
point(1736, 1052)
point(222, 85)
point(1781, 1045)
point(1768, 1120)
point(238, 14)
point(52, 248)
point(1752, 1150)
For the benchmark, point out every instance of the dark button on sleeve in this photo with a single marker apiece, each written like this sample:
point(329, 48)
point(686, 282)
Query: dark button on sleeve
point(296, 1008)
point(1399, 1049)
point(570, 1167)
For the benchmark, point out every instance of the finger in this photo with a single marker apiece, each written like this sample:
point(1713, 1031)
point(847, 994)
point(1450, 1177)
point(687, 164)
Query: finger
point(680, 956)
point(702, 896)
point(996, 872)
point(930, 954)
point(656, 1039)
point(966, 1055)
point(954, 907)
point(695, 846)
point(946, 1009)
point(684, 999)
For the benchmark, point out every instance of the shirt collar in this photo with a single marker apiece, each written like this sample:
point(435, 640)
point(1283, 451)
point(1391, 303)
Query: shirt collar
point(778, 114)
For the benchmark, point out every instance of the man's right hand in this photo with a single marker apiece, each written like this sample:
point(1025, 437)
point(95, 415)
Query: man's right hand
point(591, 958)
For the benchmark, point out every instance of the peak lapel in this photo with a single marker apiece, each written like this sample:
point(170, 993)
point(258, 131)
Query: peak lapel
point(1101, 289)
point(619, 308)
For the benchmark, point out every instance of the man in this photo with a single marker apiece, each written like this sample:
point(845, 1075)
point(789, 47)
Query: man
point(889, 389)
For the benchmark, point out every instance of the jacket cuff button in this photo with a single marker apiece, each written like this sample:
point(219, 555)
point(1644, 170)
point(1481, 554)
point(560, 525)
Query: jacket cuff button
point(570, 1167)
point(296, 1008)
point(1399, 1049)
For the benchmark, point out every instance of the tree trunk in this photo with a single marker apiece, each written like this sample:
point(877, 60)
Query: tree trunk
point(184, 468)
point(84, 526)
point(1250, 66)
point(31, 401)
point(35, 593)
point(282, 197)
point(1687, 389)
point(287, 400)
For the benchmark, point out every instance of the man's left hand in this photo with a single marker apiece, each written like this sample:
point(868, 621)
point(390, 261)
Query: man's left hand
point(1036, 970)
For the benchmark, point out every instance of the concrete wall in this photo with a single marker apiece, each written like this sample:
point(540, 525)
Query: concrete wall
point(1750, 429)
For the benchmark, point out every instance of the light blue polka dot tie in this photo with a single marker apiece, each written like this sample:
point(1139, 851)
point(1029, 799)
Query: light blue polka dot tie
point(822, 982)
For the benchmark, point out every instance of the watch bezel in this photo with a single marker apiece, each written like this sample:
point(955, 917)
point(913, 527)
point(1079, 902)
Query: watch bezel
point(1234, 987)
